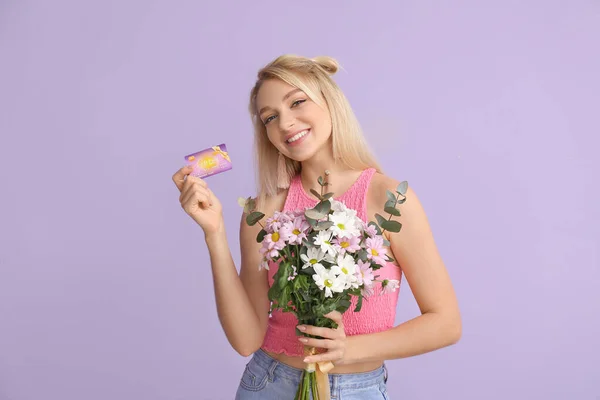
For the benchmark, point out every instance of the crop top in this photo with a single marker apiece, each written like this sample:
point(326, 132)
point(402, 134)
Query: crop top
point(378, 311)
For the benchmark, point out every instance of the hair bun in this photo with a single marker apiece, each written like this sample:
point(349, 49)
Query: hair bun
point(327, 63)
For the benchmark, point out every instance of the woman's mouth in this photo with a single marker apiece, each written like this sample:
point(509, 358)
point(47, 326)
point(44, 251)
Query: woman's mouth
point(297, 138)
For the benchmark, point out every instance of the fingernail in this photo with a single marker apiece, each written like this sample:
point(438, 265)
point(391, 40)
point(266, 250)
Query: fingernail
point(306, 360)
point(303, 340)
point(302, 328)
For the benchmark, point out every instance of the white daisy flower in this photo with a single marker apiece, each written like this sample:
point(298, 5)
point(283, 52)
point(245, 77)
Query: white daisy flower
point(343, 225)
point(346, 267)
point(323, 241)
point(314, 256)
point(328, 281)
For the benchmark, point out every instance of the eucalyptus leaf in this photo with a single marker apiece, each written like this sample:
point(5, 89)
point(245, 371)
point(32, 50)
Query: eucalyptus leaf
point(386, 242)
point(327, 196)
point(311, 221)
point(380, 220)
point(314, 214)
point(254, 217)
point(392, 226)
point(390, 258)
point(320, 180)
point(323, 207)
point(317, 194)
point(402, 201)
point(261, 235)
point(323, 225)
point(392, 210)
point(402, 188)
point(390, 203)
point(391, 196)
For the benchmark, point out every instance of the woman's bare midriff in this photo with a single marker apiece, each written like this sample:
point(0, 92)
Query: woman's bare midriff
point(297, 362)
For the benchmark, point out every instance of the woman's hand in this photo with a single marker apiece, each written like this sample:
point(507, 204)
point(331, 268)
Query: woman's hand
point(334, 341)
point(198, 201)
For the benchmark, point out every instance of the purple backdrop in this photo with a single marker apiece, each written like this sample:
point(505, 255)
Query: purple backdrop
point(488, 109)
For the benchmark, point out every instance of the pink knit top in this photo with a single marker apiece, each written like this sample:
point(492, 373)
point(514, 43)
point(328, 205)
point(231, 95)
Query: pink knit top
point(378, 310)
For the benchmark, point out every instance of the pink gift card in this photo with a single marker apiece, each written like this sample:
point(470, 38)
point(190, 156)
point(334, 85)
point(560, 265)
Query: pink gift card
point(209, 162)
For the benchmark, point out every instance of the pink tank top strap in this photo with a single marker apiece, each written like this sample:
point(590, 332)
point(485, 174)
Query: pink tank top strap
point(355, 197)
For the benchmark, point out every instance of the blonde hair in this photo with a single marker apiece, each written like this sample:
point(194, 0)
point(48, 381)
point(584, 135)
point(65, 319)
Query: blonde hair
point(313, 77)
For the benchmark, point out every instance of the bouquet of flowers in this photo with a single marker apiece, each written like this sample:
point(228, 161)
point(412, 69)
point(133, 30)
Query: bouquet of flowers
point(326, 254)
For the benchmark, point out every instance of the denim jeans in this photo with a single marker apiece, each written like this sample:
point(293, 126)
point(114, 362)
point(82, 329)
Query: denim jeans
point(268, 379)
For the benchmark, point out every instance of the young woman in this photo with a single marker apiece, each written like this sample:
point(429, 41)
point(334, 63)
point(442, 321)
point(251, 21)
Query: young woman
point(303, 127)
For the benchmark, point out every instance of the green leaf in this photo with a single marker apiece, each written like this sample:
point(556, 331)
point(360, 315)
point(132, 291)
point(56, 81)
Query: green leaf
point(321, 226)
point(320, 180)
point(390, 258)
point(261, 235)
point(317, 194)
point(390, 203)
point(392, 210)
point(402, 188)
point(311, 221)
point(274, 292)
point(284, 271)
point(386, 242)
point(327, 196)
point(285, 296)
point(253, 218)
point(359, 303)
point(323, 207)
point(402, 201)
point(380, 220)
point(344, 303)
point(392, 226)
point(391, 196)
point(363, 255)
point(312, 213)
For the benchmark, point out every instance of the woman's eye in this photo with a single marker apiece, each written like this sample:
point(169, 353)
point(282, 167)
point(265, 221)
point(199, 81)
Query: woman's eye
point(269, 119)
point(297, 102)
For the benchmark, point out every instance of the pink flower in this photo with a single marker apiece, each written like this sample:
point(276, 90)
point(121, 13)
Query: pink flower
point(269, 254)
point(389, 286)
point(347, 244)
point(275, 222)
point(376, 250)
point(364, 273)
point(371, 230)
point(367, 291)
point(271, 244)
point(295, 231)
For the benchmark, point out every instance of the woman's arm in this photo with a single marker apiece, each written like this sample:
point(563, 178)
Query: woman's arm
point(439, 324)
point(242, 302)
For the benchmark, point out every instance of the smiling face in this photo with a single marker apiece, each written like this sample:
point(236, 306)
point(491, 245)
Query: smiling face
point(296, 125)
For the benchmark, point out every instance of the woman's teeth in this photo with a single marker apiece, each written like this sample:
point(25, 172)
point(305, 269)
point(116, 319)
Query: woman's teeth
point(297, 136)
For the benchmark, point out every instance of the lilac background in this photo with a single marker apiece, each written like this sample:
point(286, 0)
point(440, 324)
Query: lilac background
point(488, 109)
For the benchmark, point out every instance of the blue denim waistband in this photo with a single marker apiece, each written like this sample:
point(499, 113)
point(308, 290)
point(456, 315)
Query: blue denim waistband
point(336, 381)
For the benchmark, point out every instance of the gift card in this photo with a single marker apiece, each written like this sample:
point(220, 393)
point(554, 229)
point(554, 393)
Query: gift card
point(209, 162)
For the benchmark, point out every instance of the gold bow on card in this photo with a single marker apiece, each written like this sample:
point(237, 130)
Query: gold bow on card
point(217, 150)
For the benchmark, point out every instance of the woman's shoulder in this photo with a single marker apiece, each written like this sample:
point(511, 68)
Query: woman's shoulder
point(381, 183)
point(266, 204)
